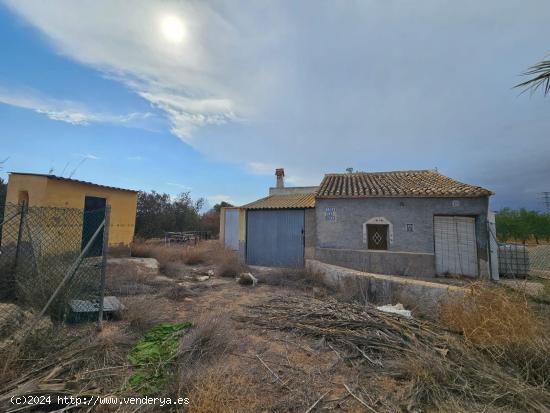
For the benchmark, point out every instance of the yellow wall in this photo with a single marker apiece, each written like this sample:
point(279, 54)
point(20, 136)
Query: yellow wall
point(48, 192)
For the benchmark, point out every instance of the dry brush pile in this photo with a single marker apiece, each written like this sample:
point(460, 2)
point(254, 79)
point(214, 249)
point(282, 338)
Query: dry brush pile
point(440, 368)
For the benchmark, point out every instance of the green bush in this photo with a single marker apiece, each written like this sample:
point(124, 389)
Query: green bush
point(521, 225)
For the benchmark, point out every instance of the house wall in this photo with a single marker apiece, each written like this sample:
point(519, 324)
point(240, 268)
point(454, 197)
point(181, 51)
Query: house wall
point(310, 237)
point(45, 192)
point(340, 241)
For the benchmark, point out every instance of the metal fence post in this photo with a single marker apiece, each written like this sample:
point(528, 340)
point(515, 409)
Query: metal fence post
point(104, 265)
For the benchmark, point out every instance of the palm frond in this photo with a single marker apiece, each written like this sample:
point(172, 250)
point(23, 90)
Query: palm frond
point(540, 78)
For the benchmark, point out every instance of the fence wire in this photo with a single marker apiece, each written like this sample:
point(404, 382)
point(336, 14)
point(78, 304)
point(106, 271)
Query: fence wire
point(42, 253)
point(522, 260)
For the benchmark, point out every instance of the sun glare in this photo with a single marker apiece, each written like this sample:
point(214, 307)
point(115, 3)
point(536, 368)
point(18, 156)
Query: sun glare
point(173, 29)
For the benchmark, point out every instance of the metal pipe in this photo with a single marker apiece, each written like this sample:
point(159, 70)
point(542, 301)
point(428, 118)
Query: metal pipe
point(104, 265)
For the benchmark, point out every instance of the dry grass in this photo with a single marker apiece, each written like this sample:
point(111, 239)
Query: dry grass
point(296, 278)
point(228, 264)
point(504, 325)
point(194, 255)
point(126, 281)
point(144, 312)
point(164, 254)
point(225, 390)
point(208, 340)
point(177, 292)
point(169, 254)
point(440, 366)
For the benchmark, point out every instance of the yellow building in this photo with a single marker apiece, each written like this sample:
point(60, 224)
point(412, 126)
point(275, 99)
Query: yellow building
point(40, 190)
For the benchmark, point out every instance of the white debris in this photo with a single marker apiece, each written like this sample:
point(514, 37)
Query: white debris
point(202, 278)
point(395, 309)
point(210, 273)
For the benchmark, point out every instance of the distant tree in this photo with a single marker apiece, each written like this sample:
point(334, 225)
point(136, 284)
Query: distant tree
point(210, 221)
point(540, 77)
point(521, 225)
point(158, 213)
point(223, 204)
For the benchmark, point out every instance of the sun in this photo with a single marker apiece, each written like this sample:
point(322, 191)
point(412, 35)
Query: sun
point(173, 29)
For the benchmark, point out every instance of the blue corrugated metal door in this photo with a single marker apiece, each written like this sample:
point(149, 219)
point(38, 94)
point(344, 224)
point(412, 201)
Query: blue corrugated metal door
point(275, 238)
point(231, 229)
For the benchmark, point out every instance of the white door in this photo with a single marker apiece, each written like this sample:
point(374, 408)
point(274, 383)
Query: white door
point(231, 229)
point(455, 245)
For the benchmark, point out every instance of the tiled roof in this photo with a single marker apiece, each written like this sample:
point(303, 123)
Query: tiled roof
point(283, 202)
point(424, 183)
point(60, 178)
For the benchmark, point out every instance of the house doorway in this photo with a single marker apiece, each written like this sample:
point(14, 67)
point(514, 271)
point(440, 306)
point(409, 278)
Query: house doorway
point(455, 245)
point(94, 214)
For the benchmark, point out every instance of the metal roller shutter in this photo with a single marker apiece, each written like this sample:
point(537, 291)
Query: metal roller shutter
point(455, 245)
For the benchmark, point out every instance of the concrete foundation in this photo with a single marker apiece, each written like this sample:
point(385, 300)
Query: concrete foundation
point(381, 262)
point(422, 297)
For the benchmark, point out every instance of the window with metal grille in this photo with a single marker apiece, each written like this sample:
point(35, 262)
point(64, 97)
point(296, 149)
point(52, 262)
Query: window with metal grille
point(377, 237)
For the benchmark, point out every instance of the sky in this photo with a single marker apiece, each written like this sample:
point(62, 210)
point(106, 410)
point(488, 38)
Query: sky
point(211, 96)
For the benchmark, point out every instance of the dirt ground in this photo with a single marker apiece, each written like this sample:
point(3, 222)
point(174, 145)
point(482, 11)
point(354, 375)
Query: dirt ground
point(282, 372)
point(227, 362)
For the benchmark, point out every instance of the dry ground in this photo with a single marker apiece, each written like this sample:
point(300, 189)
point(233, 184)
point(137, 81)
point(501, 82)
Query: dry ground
point(228, 362)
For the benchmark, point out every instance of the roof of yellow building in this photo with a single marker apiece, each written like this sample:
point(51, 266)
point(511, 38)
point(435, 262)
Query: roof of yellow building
point(283, 202)
point(60, 178)
point(422, 183)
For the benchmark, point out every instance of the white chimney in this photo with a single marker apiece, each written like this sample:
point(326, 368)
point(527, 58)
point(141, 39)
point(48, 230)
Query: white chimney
point(280, 174)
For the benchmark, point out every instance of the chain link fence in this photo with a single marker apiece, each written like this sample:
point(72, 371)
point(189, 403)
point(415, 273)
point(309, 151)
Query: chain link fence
point(52, 263)
point(522, 260)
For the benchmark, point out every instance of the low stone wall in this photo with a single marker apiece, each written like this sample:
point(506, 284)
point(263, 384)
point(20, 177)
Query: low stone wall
point(381, 262)
point(422, 297)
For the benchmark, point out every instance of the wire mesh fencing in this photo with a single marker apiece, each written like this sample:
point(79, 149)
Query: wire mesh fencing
point(52, 261)
point(522, 260)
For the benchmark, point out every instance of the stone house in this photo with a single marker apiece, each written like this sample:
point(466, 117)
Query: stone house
point(416, 223)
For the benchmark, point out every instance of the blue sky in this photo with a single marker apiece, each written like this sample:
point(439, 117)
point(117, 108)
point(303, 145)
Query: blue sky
point(311, 86)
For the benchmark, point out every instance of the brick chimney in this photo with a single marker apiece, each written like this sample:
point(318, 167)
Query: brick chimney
point(280, 174)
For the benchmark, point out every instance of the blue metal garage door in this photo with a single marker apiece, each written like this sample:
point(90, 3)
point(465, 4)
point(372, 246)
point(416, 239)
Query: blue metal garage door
point(275, 238)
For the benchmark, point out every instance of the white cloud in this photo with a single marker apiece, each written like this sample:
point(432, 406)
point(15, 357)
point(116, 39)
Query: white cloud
point(180, 186)
point(64, 110)
point(87, 156)
point(261, 168)
point(216, 199)
point(187, 80)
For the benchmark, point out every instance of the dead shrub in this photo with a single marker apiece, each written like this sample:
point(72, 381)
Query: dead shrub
point(298, 278)
point(167, 255)
point(503, 325)
point(228, 264)
point(225, 390)
point(193, 255)
point(208, 340)
point(178, 292)
point(126, 281)
point(111, 345)
point(163, 253)
point(144, 312)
